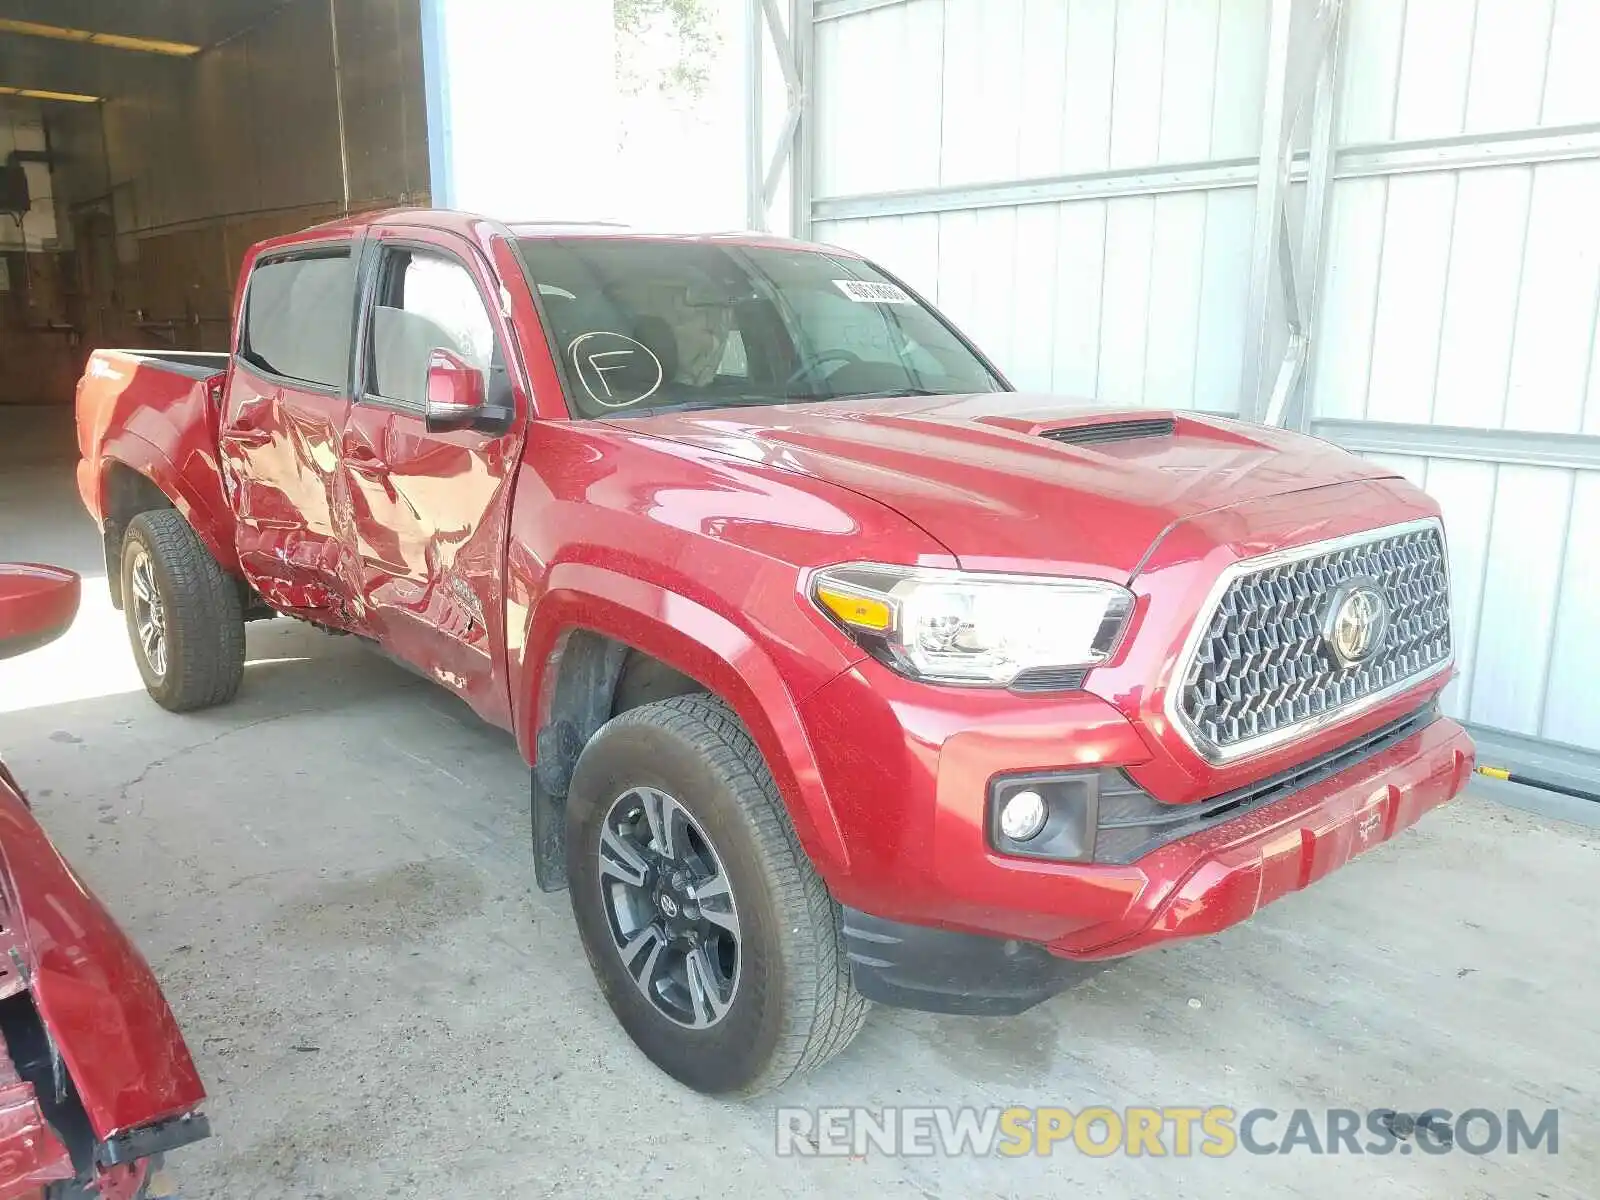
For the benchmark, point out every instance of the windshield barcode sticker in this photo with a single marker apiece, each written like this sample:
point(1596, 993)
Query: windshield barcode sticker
point(865, 292)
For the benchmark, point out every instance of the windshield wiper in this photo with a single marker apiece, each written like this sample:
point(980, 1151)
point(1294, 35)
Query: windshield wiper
point(768, 401)
point(694, 406)
point(676, 406)
point(892, 394)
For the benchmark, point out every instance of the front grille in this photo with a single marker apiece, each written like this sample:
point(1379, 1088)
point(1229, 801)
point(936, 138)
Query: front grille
point(1263, 669)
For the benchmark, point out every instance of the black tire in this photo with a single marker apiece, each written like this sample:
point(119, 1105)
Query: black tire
point(155, 1187)
point(203, 621)
point(77, 1190)
point(793, 1006)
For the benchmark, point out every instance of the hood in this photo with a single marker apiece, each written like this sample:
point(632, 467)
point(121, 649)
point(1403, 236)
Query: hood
point(1009, 481)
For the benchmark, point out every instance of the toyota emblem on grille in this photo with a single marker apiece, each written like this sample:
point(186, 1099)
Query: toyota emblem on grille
point(1357, 621)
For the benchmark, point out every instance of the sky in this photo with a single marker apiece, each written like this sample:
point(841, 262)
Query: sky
point(681, 165)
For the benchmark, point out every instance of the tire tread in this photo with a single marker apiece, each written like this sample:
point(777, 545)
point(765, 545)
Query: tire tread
point(205, 618)
point(829, 1012)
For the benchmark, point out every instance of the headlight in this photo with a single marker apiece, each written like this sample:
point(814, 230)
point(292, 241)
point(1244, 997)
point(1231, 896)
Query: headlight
point(964, 627)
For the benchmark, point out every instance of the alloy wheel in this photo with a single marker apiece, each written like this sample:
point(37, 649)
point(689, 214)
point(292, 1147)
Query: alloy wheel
point(670, 907)
point(149, 614)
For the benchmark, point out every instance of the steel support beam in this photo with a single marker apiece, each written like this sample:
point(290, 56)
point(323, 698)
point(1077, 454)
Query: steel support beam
point(832, 10)
point(1572, 451)
point(1092, 185)
point(1513, 148)
point(802, 157)
point(1303, 47)
point(790, 36)
point(755, 48)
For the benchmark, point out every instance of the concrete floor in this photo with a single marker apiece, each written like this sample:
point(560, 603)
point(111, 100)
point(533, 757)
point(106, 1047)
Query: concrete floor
point(331, 877)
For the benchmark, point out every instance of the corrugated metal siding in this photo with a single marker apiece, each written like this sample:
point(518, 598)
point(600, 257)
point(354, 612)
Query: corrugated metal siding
point(1460, 298)
point(1136, 300)
point(1469, 298)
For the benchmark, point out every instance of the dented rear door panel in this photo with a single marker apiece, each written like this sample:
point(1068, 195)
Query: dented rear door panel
point(280, 454)
point(282, 420)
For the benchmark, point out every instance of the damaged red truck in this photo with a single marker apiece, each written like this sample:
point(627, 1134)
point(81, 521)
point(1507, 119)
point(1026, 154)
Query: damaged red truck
point(846, 672)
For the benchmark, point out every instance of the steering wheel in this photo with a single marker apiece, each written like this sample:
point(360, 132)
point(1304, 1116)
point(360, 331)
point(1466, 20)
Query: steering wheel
point(843, 357)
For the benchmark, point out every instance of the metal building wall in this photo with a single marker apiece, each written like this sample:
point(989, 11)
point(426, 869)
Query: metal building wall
point(1073, 181)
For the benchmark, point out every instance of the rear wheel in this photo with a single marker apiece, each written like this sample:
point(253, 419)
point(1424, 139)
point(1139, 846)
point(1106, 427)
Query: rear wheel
point(183, 614)
point(715, 942)
point(136, 1181)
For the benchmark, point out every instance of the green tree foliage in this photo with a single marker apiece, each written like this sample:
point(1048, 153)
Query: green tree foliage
point(665, 45)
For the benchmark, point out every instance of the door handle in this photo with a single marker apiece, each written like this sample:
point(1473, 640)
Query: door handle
point(361, 458)
point(243, 427)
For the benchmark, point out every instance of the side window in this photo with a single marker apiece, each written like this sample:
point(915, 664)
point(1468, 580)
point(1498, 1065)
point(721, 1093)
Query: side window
point(425, 302)
point(297, 318)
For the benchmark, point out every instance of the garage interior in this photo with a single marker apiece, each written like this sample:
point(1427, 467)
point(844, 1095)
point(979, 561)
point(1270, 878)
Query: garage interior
point(331, 876)
point(147, 146)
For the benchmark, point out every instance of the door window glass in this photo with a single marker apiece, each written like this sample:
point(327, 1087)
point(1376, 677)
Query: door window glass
point(297, 318)
point(426, 302)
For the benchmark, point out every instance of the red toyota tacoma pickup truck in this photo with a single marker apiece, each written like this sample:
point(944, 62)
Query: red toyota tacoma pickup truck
point(846, 672)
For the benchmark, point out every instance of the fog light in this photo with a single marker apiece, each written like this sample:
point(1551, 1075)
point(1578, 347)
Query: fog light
point(1051, 815)
point(1023, 816)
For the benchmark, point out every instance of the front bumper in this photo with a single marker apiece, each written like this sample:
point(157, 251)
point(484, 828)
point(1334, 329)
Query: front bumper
point(912, 814)
point(1217, 878)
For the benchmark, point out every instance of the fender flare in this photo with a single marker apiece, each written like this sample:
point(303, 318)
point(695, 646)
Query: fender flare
point(707, 647)
point(206, 513)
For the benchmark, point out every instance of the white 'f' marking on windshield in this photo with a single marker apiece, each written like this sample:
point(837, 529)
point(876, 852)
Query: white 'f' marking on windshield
point(594, 361)
point(632, 347)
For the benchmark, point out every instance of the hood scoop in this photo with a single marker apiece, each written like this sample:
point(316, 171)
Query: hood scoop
point(1099, 432)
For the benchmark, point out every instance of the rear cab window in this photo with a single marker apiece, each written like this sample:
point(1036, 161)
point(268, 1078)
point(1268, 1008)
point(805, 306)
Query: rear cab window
point(298, 313)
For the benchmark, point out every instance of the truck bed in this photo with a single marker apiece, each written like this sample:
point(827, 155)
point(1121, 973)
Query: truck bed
point(153, 414)
point(197, 364)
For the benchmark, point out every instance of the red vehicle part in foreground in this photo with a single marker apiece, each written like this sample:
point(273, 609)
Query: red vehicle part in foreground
point(74, 990)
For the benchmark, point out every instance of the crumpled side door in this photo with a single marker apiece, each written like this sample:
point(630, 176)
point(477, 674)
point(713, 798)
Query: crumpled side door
point(428, 511)
point(282, 418)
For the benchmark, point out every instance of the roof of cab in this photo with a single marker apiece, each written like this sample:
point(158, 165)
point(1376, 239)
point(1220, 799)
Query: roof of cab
point(467, 224)
point(547, 229)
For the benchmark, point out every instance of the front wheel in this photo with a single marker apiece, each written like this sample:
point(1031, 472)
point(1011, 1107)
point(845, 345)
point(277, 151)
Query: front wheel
point(183, 612)
point(715, 942)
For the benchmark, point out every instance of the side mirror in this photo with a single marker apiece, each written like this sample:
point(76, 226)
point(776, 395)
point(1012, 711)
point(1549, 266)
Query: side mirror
point(37, 603)
point(456, 393)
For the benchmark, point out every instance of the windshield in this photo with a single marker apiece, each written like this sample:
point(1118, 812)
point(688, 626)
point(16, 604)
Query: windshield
point(638, 326)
